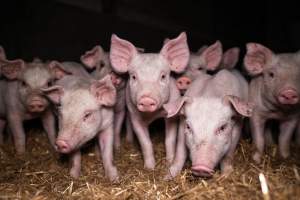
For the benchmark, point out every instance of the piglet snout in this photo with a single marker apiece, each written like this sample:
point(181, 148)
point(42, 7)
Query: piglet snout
point(147, 104)
point(288, 96)
point(183, 83)
point(202, 170)
point(62, 146)
point(36, 104)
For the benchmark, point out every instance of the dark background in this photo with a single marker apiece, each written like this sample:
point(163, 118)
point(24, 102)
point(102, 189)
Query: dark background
point(64, 29)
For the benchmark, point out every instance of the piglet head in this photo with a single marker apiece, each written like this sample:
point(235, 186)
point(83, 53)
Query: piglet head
point(208, 134)
point(207, 58)
point(280, 72)
point(31, 77)
point(149, 73)
point(79, 110)
point(58, 70)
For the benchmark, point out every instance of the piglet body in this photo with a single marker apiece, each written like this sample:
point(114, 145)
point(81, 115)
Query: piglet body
point(85, 111)
point(149, 87)
point(275, 91)
point(21, 99)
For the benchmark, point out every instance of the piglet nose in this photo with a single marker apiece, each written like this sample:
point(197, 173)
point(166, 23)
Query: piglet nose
point(288, 96)
point(183, 82)
point(147, 104)
point(203, 171)
point(62, 146)
point(36, 106)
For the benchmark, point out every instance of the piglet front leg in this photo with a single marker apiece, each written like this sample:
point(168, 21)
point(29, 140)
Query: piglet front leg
point(170, 140)
point(226, 163)
point(181, 153)
point(105, 140)
point(48, 121)
point(286, 132)
point(2, 126)
point(129, 131)
point(75, 162)
point(142, 133)
point(257, 124)
point(118, 122)
point(15, 124)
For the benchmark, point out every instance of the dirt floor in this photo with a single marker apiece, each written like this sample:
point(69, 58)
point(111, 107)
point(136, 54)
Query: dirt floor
point(42, 174)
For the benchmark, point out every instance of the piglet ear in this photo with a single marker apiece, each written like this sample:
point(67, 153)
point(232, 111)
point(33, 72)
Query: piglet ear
point(11, 69)
point(58, 70)
point(53, 93)
point(92, 57)
point(173, 108)
point(256, 58)
point(121, 54)
point(212, 55)
point(37, 60)
point(242, 107)
point(166, 40)
point(177, 53)
point(201, 49)
point(230, 58)
point(2, 53)
point(104, 91)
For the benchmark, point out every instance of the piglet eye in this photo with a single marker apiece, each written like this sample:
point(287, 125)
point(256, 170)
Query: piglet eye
point(163, 77)
point(222, 128)
point(24, 84)
point(188, 127)
point(102, 64)
point(200, 68)
point(87, 116)
point(133, 77)
point(49, 83)
point(271, 74)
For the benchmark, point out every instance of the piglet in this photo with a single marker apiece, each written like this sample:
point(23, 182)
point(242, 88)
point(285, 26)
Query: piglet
point(274, 89)
point(212, 112)
point(98, 60)
point(85, 108)
point(150, 87)
point(21, 99)
point(206, 59)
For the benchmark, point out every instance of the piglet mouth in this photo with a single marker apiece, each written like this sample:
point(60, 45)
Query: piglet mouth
point(202, 171)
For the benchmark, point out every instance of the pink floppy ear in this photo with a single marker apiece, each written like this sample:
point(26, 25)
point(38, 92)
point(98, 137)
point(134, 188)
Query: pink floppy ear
point(173, 108)
point(54, 93)
point(92, 57)
point(121, 54)
point(58, 70)
point(104, 91)
point(176, 52)
point(2, 53)
point(230, 58)
point(11, 69)
point(212, 55)
point(242, 107)
point(256, 58)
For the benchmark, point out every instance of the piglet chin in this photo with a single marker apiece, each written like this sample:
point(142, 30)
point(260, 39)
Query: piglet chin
point(202, 171)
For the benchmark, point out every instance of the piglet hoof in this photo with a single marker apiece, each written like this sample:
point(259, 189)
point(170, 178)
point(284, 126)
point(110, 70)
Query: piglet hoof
point(285, 153)
point(227, 170)
point(170, 174)
point(20, 152)
point(74, 173)
point(112, 175)
point(149, 164)
point(257, 157)
point(170, 160)
point(117, 147)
